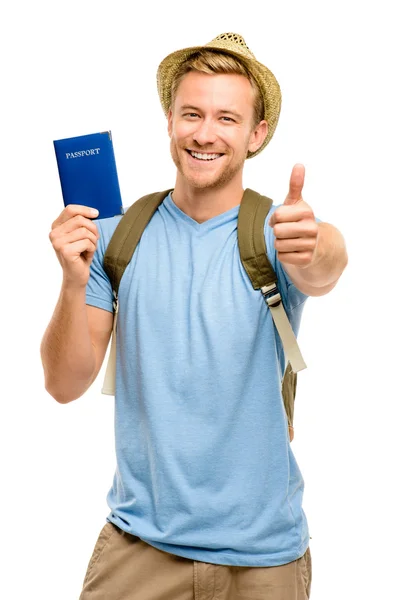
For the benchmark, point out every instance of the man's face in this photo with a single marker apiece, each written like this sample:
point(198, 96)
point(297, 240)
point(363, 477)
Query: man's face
point(211, 128)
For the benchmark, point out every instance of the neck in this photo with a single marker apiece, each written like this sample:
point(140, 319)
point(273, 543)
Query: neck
point(203, 204)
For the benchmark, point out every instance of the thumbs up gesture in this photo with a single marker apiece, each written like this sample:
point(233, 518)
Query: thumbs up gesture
point(294, 225)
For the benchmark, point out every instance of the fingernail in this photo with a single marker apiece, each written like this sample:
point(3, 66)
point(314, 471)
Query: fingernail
point(94, 211)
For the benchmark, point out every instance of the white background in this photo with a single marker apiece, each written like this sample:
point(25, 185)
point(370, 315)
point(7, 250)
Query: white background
point(81, 67)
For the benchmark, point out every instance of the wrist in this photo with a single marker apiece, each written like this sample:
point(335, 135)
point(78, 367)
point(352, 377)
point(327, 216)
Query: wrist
point(72, 288)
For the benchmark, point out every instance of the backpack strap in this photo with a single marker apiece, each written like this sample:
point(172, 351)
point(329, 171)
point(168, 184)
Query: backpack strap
point(118, 254)
point(127, 235)
point(253, 252)
point(253, 211)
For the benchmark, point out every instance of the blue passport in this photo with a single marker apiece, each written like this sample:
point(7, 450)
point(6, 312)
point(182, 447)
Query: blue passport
point(88, 173)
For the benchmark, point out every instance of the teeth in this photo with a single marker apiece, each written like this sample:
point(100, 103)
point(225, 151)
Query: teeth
point(204, 156)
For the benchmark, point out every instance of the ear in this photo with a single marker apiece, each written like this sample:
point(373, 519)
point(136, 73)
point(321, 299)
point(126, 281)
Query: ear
point(258, 136)
point(170, 122)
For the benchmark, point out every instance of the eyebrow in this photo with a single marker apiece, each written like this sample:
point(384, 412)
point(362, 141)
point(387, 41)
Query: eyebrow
point(223, 111)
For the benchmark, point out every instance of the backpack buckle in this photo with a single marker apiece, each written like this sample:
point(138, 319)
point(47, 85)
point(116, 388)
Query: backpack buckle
point(271, 295)
point(115, 301)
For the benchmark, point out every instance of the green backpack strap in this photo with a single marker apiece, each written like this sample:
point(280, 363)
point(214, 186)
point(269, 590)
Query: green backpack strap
point(251, 240)
point(253, 211)
point(118, 254)
point(253, 253)
point(127, 235)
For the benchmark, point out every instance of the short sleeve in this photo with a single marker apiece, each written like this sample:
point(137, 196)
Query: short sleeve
point(98, 289)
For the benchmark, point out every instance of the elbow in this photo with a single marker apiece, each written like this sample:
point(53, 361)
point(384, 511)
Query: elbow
point(62, 391)
point(64, 388)
point(60, 396)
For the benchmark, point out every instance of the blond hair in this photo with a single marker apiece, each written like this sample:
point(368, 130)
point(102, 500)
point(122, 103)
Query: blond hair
point(214, 62)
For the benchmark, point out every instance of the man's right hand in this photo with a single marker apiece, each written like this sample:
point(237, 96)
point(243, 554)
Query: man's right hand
point(74, 238)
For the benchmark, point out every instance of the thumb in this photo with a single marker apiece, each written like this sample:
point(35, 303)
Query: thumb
point(295, 185)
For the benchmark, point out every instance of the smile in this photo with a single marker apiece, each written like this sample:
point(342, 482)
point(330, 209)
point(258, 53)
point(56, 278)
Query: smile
point(203, 156)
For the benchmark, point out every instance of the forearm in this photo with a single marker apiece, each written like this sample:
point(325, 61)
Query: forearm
point(329, 262)
point(67, 353)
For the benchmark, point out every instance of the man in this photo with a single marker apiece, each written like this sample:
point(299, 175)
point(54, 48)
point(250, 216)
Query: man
point(207, 495)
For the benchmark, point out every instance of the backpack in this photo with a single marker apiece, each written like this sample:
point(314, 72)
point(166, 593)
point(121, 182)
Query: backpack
point(253, 254)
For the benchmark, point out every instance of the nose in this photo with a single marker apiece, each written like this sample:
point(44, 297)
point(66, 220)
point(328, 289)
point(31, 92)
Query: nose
point(205, 133)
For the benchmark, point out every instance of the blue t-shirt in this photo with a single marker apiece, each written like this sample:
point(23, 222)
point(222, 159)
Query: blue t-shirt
point(204, 468)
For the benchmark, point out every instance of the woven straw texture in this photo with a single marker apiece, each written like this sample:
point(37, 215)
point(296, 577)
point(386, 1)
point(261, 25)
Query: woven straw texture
point(231, 43)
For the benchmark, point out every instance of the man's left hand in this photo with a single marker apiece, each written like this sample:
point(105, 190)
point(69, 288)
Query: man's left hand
point(294, 225)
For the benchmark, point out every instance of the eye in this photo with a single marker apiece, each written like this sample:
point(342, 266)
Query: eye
point(191, 115)
point(227, 119)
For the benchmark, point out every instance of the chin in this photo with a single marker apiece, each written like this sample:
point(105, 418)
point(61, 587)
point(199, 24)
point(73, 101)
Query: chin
point(202, 183)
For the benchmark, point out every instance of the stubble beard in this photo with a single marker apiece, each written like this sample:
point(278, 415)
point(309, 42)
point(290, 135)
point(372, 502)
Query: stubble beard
point(219, 181)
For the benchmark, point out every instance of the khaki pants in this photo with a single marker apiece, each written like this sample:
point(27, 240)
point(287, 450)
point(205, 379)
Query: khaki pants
point(124, 567)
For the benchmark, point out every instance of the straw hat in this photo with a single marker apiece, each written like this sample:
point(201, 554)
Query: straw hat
point(230, 43)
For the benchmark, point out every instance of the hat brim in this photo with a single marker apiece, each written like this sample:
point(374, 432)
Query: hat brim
point(266, 81)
